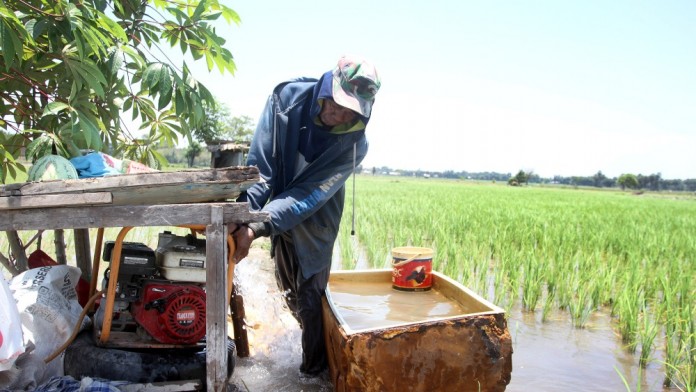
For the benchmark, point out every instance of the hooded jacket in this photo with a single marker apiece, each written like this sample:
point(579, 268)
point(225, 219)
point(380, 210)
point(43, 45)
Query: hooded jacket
point(306, 204)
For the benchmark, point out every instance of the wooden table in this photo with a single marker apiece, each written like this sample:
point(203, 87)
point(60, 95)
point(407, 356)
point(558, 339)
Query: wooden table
point(21, 209)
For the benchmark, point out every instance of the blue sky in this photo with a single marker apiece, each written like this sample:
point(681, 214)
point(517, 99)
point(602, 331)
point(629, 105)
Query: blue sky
point(555, 87)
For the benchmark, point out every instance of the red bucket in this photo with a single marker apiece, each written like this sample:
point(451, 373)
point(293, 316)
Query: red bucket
point(412, 268)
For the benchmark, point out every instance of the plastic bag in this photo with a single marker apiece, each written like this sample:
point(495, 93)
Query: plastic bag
point(11, 345)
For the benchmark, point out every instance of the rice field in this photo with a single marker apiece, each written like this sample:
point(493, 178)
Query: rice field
point(546, 249)
point(541, 249)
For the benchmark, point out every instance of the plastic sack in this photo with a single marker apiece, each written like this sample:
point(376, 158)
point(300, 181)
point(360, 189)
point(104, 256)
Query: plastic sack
point(11, 345)
point(39, 258)
point(98, 164)
point(49, 310)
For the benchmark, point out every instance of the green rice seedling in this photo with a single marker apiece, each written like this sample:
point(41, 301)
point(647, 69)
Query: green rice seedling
point(579, 298)
point(604, 279)
point(688, 339)
point(581, 307)
point(647, 334)
point(683, 373)
point(532, 283)
point(628, 319)
point(569, 281)
point(670, 322)
point(681, 378)
point(549, 302)
point(639, 385)
point(500, 285)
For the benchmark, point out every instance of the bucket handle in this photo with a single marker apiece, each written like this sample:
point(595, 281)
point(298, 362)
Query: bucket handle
point(404, 262)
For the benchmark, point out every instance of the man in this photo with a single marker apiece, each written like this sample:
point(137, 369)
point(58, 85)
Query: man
point(309, 139)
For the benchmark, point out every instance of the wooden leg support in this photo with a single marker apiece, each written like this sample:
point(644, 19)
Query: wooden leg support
point(241, 340)
point(236, 304)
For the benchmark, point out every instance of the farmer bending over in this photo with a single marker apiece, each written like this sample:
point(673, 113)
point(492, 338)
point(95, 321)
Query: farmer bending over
point(309, 139)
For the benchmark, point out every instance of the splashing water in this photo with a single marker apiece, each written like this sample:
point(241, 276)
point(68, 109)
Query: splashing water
point(273, 333)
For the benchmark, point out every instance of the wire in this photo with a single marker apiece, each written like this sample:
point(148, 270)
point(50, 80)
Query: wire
point(355, 149)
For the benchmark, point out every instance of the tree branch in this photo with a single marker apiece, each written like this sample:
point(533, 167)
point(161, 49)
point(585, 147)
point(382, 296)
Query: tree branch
point(20, 256)
point(8, 265)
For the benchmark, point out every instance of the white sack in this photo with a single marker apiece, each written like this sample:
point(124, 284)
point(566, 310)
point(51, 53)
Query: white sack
point(48, 309)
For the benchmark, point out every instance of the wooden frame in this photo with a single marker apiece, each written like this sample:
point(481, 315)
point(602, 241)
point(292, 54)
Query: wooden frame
point(215, 217)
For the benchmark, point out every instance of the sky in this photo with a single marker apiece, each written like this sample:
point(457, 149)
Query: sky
point(564, 88)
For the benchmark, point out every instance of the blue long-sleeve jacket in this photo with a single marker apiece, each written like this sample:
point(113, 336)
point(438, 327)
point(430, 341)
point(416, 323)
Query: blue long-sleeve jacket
point(308, 204)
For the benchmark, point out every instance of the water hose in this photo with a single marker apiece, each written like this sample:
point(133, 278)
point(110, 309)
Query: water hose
point(76, 330)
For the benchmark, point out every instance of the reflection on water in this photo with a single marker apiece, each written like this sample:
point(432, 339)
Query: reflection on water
point(377, 305)
point(555, 356)
point(548, 356)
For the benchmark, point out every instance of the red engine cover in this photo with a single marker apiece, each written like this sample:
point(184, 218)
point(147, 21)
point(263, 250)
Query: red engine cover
point(171, 313)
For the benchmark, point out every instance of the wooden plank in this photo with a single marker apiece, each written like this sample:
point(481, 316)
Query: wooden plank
point(183, 193)
point(164, 386)
point(132, 340)
point(240, 175)
point(39, 201)
point(216, 291)
point(120, 216)
point(11, 189)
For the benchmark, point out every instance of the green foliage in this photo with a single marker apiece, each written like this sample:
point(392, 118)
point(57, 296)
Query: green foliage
point(629, 181)
point(193, 150)
point(9, 149)
point(520, 178)
point(70, 70)
point(220, 125)
point(240, 129)
point(212, 126)
point(177, 160)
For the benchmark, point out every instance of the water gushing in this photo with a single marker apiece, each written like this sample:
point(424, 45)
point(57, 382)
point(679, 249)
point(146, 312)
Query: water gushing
point(273, 333)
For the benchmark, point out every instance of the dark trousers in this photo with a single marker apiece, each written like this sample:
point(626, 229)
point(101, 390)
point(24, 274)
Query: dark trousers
point(303, 297)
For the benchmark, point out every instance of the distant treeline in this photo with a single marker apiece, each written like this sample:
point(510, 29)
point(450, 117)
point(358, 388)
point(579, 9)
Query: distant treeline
point(652, 182)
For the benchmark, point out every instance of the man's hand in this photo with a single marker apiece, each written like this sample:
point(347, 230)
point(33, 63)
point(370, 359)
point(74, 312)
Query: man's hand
point(243, 237)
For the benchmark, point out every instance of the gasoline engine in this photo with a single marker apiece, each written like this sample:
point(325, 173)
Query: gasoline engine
point(160, 294)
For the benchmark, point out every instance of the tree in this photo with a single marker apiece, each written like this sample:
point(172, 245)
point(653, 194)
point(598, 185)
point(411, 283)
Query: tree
point(629, 181)
point(520, 178)
point(194, 149)
point(71, 70)
point(211, 128)
point(690, 184)
point(220, 125)
point(240, 129)
point(599, 178)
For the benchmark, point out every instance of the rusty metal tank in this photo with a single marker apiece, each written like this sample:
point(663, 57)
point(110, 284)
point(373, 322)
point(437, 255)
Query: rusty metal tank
point(381, 339)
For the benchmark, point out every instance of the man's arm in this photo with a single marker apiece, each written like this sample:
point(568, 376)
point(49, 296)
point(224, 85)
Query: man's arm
point(301, 200)
point(312, 189)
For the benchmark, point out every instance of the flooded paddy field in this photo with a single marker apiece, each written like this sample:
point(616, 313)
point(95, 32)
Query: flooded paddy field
point(548, 356)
